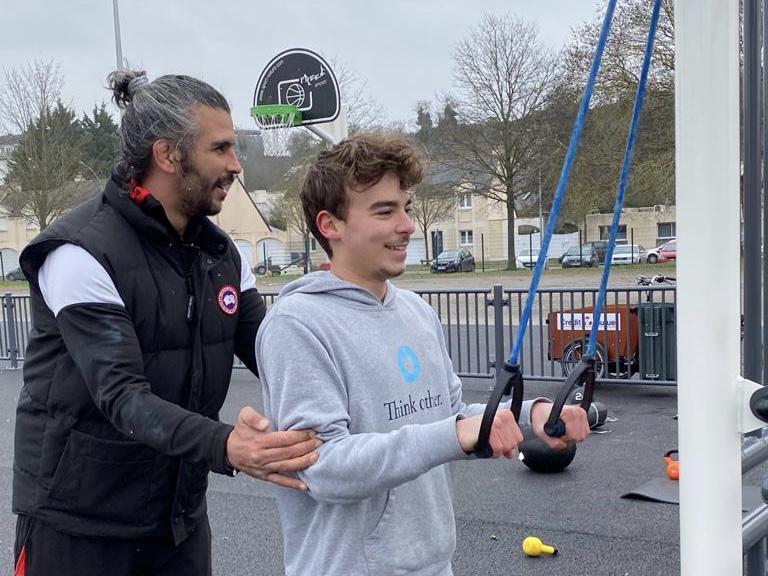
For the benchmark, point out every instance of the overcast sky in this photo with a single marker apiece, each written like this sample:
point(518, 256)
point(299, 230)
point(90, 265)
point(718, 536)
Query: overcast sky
point(401, 48)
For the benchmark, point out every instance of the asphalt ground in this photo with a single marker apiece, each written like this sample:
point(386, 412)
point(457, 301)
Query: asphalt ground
point(498, 502)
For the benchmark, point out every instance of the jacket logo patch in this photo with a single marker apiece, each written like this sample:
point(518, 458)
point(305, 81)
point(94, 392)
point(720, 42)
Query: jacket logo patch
point(227, 299)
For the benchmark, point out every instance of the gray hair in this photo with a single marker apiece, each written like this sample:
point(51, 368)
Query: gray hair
point(161, 109)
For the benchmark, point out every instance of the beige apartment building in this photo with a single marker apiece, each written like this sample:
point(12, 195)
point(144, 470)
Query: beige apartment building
point(480, 225)
point(649, 227)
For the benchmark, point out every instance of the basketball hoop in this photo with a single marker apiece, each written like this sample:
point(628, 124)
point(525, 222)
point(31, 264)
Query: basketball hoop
point(276, 121)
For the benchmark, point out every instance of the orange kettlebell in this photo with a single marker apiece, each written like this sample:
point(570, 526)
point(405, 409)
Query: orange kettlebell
point(673, 466)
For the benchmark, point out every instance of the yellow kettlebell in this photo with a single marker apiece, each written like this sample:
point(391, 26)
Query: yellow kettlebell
point(532, 546)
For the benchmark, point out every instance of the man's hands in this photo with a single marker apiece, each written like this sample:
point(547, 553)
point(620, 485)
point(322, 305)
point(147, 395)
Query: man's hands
point(266, 455)
point(506, 435)
point(574, 417)
point(504, 438)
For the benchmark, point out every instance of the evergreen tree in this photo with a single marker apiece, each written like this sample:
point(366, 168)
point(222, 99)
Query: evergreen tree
point(44, 166)
point(101, 144)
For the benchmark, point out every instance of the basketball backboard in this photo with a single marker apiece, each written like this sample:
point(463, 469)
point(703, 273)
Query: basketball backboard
point(303, 79)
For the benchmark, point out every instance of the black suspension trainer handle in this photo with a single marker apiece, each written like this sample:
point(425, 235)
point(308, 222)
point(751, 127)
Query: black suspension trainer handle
point(582, 375)
point(509, 381)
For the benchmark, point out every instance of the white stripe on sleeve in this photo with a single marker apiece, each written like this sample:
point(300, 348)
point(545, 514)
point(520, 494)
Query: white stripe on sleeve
point(247, 279)
point(70, 275)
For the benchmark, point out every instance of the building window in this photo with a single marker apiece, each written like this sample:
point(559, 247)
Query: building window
point(665, 231)
point(465, 200)
point(621, 233)
point(466, 238)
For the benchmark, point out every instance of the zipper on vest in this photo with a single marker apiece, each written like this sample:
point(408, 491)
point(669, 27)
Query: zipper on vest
point(190, 254)
point(190, 301)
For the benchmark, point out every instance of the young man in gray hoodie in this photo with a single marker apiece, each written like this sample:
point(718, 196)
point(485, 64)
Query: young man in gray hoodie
point(365, 365)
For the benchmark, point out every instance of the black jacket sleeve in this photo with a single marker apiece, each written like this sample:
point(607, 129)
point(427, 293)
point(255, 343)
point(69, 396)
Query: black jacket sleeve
point(102, 342)
point(252, 311)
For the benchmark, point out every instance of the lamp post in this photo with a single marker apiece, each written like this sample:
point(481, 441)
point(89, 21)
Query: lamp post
point(118, 47)
point(541, 219)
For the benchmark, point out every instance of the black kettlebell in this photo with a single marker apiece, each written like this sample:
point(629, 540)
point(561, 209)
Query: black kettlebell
point(539, 457)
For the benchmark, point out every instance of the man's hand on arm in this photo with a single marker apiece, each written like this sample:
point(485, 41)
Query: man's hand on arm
point(265, 455)
point(504, 438)
point(573, 416)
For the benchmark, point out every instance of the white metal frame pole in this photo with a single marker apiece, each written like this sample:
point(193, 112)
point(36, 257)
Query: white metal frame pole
point(708, 299)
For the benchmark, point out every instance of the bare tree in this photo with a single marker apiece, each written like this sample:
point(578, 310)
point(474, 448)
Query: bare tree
point(286, 210)
point(363, 112)
point(624, 50)
point(433, 202)
point(28, 93)
point(594, 180)
point(503, 76)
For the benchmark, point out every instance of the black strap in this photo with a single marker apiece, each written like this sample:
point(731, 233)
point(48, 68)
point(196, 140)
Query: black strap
point(509, 381)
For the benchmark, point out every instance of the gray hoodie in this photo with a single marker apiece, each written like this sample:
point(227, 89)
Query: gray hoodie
point(375, 381)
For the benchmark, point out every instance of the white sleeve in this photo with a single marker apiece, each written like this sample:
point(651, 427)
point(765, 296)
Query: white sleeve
point(247, 279)
point(70, 275)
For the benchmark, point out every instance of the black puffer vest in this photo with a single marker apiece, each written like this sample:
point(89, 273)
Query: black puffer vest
point(117, 426)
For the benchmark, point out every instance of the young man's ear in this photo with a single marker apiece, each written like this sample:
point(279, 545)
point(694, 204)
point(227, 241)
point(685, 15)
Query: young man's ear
point(329, 225)
point(165, 156)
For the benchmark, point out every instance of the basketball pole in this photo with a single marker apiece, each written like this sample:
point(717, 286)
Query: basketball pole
point(323, 135)
point(337, 130)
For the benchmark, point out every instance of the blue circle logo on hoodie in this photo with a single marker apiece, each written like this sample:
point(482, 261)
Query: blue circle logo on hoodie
point(408, 363)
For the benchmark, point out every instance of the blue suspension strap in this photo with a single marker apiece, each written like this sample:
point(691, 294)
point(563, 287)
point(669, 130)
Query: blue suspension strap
point(554, 426)
point(511, 380)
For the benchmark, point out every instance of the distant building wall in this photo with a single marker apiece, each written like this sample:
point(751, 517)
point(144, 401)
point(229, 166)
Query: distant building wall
point(649, 227)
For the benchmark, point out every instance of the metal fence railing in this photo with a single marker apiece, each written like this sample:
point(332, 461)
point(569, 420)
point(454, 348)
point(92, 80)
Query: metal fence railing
point(636, 334)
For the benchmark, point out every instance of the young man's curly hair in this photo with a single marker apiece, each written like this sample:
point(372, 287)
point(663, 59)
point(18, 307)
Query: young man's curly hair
point(355, 164)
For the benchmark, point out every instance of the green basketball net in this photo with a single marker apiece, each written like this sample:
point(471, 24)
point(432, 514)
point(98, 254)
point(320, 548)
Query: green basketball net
point(276, 121)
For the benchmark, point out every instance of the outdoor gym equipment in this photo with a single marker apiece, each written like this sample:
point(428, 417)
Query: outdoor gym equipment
point(509, 378)
point(672, 464)
point(540, 457)
point(533, 546)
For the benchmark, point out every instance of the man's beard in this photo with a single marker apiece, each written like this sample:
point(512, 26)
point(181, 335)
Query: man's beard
point(197, 194)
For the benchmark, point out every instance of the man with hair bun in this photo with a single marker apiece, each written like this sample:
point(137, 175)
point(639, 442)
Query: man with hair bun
point(139, 305)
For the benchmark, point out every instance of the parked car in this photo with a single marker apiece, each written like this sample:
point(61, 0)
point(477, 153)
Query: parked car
point(629, 254)
point(600, 247)
point(662, 253)
point(15, 274)
point(669, 250)
point(460, 260)
point(578, 256)
point(280, 263)
point(654, 257)
point(527, 258)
